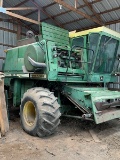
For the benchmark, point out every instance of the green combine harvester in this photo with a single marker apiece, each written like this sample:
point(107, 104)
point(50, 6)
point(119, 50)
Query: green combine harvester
point(57, 75)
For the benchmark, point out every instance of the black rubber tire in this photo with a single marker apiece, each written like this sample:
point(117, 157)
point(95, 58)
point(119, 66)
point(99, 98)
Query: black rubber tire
point(47, 112)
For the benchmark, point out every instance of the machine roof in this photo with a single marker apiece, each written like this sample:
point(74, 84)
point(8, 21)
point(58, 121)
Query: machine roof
point(98, 29)
point(106, 11)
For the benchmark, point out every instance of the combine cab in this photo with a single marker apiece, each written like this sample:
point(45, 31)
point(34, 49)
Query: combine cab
point(57, 75)
point(101, 54)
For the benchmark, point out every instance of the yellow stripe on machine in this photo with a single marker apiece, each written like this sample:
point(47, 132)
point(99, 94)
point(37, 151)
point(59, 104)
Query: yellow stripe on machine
point(94, 30)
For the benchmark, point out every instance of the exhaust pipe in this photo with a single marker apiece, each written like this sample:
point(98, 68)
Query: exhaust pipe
point(36, 64)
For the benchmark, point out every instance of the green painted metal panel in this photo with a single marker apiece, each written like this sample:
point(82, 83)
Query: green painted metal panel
point(14, 59)
point(86, 98)
point(99, 78)
point(35, 52)
point(16, 92)
point(11, 59)
point(55, 34)
point(25, 85)
point(57, 72)
point(51, 27)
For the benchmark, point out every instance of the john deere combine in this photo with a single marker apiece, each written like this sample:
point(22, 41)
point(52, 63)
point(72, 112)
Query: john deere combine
point(57, 75)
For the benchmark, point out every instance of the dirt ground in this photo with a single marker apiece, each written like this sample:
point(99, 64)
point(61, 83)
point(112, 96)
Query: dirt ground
point(72, 141)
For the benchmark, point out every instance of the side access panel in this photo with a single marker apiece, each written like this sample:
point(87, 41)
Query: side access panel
point(55, 34)
point(20, 86)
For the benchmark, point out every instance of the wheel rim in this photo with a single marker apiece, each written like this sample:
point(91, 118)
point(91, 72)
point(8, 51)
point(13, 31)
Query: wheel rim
point(29, 113)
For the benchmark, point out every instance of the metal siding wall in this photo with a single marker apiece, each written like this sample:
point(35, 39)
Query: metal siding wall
point(115, 27)
point(6, 37)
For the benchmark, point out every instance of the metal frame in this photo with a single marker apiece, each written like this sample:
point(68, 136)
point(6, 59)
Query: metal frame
point(95, 17)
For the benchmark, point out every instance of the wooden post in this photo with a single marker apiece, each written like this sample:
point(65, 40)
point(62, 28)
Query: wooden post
point(19, 31)
point(38, 18)
point(4, 124)
point(1, 3)
point(38, 15)
point(76, 1)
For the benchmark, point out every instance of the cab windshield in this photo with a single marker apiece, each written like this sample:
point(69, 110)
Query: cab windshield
point(105, 50)
point(106, 55)
point(101, 52)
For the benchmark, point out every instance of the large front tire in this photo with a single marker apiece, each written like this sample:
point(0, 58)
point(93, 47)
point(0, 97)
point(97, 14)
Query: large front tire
point(39, 112)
